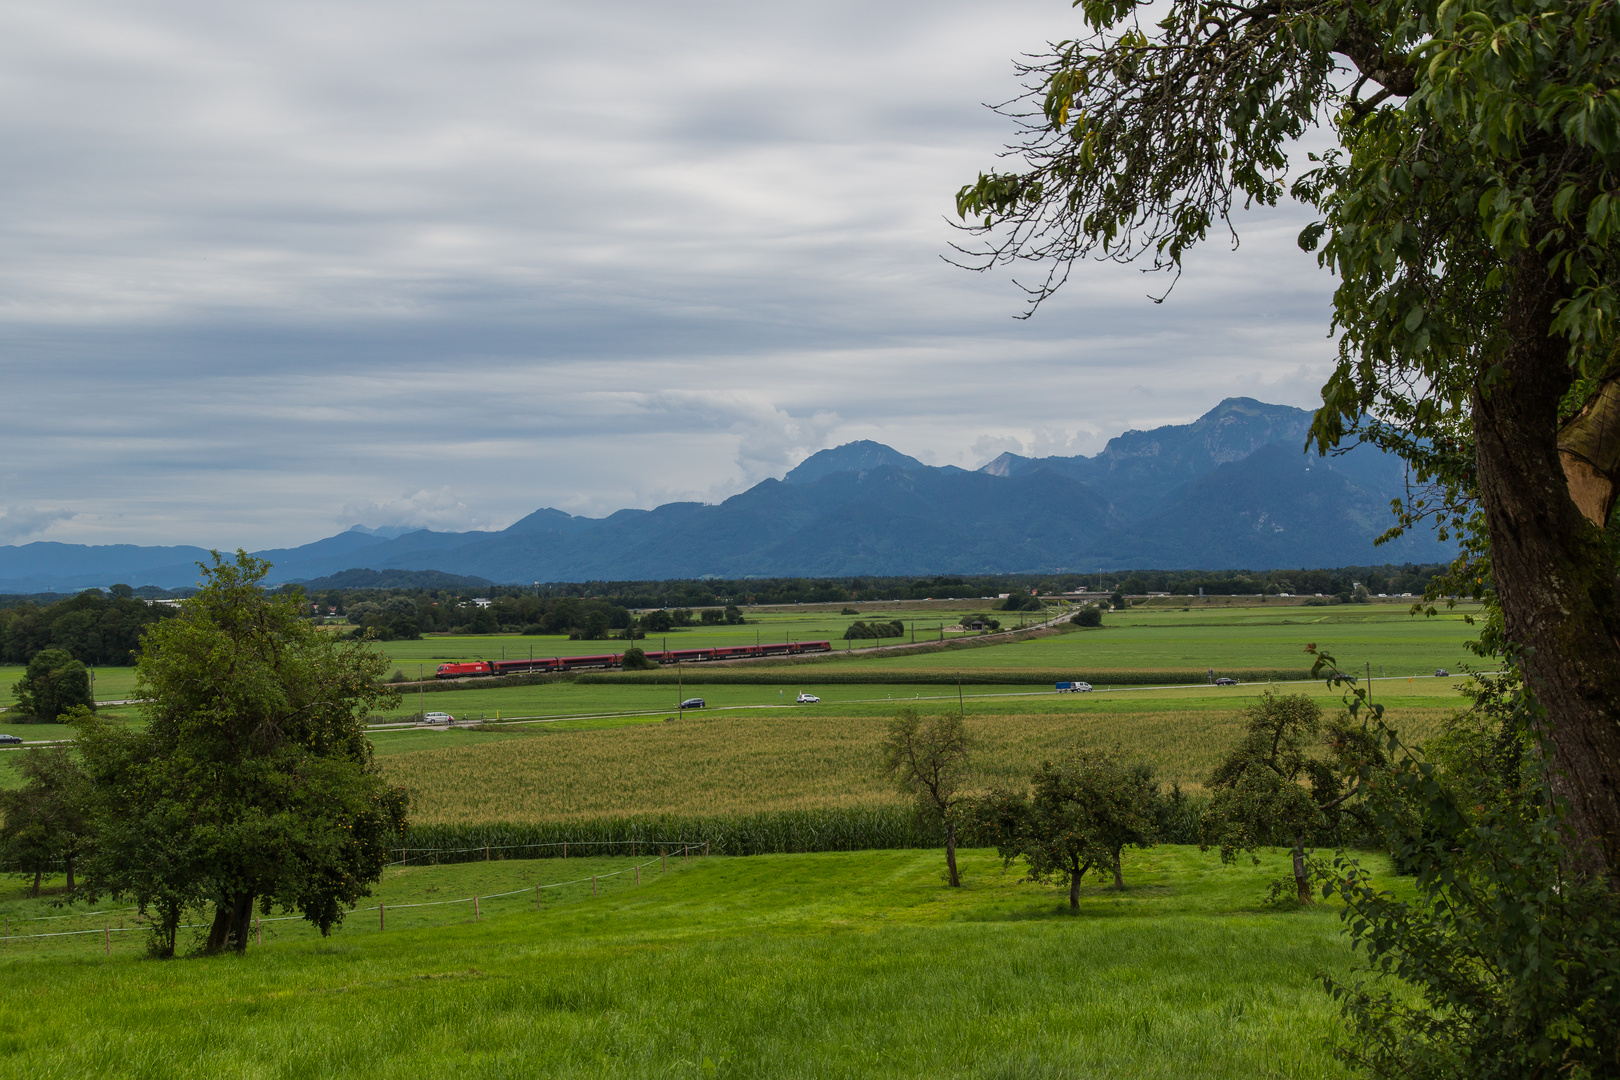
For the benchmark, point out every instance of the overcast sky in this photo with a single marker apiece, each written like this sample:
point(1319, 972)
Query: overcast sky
point(268, 271)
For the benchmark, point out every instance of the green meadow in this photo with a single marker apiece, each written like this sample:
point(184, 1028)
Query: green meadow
point(844, 965)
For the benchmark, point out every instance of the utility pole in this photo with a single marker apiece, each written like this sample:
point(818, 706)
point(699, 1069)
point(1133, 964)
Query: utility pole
point(421, 703)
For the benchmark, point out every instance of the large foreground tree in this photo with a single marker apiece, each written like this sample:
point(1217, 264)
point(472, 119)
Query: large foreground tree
point(1469, 215)
point(253, 784)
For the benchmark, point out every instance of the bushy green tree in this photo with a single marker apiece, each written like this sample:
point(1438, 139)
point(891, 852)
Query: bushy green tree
point(53, 684)
point(927, 760)
point(1283, 784)
point(1019, 600)
point(1496, 961)
point(253, 783)
point(1078, 814)
point(46, 820)
point(1090, 615)
point(634, 659)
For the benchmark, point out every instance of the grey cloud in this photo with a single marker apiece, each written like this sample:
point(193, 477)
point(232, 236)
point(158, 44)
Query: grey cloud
point(21, 523)
point(269, 271)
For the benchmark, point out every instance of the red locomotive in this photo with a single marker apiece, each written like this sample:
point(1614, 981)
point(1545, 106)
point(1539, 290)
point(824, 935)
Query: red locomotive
point(474, 668)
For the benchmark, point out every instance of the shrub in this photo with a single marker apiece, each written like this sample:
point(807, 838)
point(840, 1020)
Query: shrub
point(53, 684)
point(860, 629)
point(1087, 616)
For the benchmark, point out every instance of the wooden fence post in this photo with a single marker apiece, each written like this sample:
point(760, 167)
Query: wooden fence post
point(662, 867)
point(476, 915)
point(537, 898)
point(486, 853)
point(258, 931)
point(705, 849)
point(593, 884)
point(380, 923)
point(565, 849)
point(638, 875)
point(109, 940)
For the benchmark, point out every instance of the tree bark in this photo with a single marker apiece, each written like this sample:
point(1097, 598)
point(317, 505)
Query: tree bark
point(1074, 888)
point(1552, 571)
point(230, 928)
point(39, 876)
point(69, 859)
point(1302, 880)
point(950, 854)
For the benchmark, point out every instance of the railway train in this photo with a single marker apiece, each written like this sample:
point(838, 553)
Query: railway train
point(474, 668)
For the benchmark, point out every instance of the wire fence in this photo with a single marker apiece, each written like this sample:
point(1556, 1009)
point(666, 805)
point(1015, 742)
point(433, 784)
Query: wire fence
point(659, 857)
point(556, 849)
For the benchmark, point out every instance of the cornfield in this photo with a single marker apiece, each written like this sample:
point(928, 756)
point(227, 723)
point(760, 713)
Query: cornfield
point(730, 766)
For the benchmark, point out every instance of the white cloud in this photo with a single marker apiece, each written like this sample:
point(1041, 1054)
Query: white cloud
point(438, 510)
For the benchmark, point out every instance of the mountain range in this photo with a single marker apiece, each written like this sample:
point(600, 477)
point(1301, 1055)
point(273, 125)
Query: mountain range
point(1233, 489)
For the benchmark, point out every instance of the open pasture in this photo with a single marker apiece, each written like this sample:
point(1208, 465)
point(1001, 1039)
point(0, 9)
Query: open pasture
point(1146, 640)
point(837, 965)
point(1383, 635)
point(816, 757)
point(790, 625)
point(571, 700)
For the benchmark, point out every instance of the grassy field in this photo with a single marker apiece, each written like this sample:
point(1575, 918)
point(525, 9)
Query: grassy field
point(751, 759)
point(838, 965)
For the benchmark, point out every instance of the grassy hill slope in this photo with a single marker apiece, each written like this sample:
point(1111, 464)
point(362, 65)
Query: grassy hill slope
point(847, 965)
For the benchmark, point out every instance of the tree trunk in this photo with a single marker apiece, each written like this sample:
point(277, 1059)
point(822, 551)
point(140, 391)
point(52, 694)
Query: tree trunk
point(69, 858)
point(241, 922)
point(39, 876)
point(1119, 876)
point(230, 928)
point(1552, 571)
point(1302, 880)
point(950, 853)
point(1074, 885)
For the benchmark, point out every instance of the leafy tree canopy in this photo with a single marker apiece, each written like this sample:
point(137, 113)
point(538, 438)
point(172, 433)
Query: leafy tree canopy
point(253, 782)
point(1078, 814)
point(53, 684)
point(1469, 213)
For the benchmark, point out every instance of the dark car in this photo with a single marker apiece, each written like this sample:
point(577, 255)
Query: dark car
point(1441, 673)
point(692, 703)
point(10, 740)
point(1223, 681)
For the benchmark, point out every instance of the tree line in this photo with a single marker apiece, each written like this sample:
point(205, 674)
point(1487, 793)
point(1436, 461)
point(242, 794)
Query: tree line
point(95, 628)
point(508, 600)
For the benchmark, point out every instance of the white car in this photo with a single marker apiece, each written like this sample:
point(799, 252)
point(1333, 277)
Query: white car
point(808, 699)
point(438, 718)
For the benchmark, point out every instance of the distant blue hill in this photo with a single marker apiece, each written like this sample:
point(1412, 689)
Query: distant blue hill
point(1231, 490)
